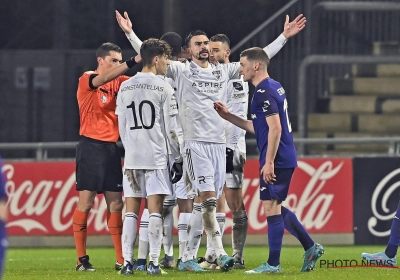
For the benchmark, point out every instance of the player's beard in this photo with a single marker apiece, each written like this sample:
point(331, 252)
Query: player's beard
point(199, 57)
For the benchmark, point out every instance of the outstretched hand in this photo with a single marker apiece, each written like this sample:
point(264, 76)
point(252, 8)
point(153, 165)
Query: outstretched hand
point(124, 22)
point(221, 109)
point(292, 28)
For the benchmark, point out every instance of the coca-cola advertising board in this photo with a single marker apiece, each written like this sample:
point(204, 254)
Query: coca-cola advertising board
point(42, 198)
point(376, 197)
point(320, 195)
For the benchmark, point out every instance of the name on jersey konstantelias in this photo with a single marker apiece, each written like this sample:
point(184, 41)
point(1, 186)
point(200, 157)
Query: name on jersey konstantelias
point(143, 86)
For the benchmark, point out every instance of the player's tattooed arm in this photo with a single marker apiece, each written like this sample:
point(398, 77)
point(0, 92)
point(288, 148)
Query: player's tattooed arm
point(223, 111)
point(126, 25)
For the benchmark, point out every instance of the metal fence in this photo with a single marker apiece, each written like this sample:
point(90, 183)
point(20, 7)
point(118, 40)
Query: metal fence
point(41, 151)
point(333, 27)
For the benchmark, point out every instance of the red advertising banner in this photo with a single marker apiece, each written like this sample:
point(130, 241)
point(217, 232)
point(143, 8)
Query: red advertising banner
point(42, 198)
point(320, 194)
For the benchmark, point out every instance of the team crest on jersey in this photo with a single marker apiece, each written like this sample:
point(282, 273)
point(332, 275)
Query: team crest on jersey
point(266, 106)
point(103, 99)
point(237, 86)
point(217, 74)
point(194, 72)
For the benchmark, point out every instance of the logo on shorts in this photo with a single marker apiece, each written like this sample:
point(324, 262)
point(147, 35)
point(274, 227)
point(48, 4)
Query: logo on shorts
point(103, 99)
point(263, 189)
point(202, 179)
point(119, 185)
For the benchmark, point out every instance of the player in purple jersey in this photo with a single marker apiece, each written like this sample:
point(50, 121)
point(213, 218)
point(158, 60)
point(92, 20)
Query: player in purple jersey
point(3, 219)
point(278, 158)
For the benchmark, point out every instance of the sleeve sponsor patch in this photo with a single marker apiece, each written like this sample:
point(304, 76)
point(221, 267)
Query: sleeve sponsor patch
point(237, 86)
point(265, 106)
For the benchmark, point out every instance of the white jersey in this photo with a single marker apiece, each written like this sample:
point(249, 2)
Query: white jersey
point(197, 90)
point(178, 122)
point(143, 102)
point(238, 94)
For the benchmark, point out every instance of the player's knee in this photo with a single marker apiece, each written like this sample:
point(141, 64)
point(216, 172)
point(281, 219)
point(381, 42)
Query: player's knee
point(235, 205)
point(115, 206)
point(84, 206)
point(185, 205)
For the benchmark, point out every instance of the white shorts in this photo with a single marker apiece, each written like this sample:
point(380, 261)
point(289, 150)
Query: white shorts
point(206, 165)
point(235, 180)
point(178, 189)
point(142, 182)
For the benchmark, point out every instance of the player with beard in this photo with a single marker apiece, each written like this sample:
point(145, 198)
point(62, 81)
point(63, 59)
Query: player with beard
point(235, 159)
point(199, 85)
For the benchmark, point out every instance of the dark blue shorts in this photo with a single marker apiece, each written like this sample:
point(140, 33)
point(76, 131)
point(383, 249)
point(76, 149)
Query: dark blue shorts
point(279, 190)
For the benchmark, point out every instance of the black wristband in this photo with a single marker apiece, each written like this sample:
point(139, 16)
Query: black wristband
point(130, 62)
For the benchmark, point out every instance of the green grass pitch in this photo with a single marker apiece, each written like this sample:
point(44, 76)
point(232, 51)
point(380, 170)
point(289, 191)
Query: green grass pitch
point(59, 263)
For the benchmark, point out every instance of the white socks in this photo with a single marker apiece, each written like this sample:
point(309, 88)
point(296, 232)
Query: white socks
point(155, 237)
point(168, 227)
point(129, 232)
point(195, 231)
point(214, 236)
point(143, 247)
point(183, 223)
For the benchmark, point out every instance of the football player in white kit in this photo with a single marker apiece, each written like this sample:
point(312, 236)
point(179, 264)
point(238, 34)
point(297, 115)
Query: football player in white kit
point(236, 149)
point(147, 123)
point(185, 203)
point(199, 84)
point(235, 158)
point(180, 195)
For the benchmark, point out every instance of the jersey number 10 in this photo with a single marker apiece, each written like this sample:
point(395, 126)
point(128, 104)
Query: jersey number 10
point(140, 110)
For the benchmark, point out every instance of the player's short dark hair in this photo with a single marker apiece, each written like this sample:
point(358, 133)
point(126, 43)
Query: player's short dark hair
point(174, 40)
point(152, 48)
point(192, 34)
point(256, 54)
point(221, 38)
point(105, 49)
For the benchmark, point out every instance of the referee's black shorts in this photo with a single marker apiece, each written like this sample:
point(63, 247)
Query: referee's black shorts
point(98, 166)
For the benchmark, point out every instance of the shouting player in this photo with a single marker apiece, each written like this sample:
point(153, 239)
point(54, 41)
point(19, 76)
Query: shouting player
point(199, 85)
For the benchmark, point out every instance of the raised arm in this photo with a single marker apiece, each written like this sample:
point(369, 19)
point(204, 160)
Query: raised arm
point(290, 29)
point(126, 25)
point(113, 72)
